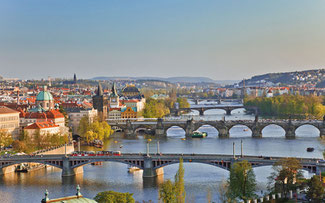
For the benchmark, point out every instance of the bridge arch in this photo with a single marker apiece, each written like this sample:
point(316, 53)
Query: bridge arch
point(276, 131)
point(219, 164)
point(244, 130)
point(307, 128)
point(235, 110)
point(209, 128)
point(136, 163)
point(214, 111)
point(142, 126)
point(178, 130)
point(56, 164)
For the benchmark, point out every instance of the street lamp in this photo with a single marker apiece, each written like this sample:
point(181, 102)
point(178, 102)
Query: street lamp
point(148, 140)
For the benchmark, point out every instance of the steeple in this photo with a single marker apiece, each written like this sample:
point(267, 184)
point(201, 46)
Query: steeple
point(75, 79)
point(99, 90)
point(114, 92)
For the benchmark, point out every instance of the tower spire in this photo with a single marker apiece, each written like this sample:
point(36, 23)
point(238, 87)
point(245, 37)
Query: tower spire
point(114, 92)
point(99, 90)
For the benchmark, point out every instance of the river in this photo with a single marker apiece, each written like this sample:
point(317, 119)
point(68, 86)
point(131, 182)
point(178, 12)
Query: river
point(199, 178)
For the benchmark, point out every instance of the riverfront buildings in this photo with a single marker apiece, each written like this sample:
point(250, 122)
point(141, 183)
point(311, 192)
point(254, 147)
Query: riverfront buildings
point(9, 121)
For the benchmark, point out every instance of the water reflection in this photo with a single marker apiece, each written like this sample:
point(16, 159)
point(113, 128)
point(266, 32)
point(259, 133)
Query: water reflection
point(199, 178)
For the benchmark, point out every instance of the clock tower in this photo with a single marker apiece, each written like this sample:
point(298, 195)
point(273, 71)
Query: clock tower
point(114, 98)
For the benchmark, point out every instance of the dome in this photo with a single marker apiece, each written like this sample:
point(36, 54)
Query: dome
point(44, 96)
point(130, 88)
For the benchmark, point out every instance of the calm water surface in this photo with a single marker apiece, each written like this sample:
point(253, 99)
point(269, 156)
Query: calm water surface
point(199, 178)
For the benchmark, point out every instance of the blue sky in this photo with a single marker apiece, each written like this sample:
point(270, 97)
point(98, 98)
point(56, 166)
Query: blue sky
point(230, 39)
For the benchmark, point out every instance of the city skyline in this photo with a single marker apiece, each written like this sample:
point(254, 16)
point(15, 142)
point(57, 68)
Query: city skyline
point(222, 40)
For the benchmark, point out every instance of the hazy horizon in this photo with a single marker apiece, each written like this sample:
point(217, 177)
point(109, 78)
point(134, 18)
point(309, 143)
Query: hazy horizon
point(222, 40)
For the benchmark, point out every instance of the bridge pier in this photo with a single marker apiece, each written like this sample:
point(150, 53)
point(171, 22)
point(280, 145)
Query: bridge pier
point(228, 112)
point(67, 169)
point(129, 129)
point(160, 131)
point(256, 131)
point(223, 132)
point(8, 169)
point(201, 111)
point(290, 132)
point(148, 169)
point(320, 168)
point(322, 132)
point(189, 129)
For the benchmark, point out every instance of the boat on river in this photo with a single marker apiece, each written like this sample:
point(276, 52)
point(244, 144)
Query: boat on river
point(310, 149)
point(198, 134)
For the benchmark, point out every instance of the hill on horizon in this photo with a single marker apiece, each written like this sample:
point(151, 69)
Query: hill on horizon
point(169, 79)
point(315, 77)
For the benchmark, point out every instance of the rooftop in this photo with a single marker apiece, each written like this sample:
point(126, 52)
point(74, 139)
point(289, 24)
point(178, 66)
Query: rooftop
point(6, 110)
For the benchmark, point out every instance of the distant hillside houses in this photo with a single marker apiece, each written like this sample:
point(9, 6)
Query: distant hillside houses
point(310, 78)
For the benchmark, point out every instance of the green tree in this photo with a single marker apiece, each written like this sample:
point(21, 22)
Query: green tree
point(114, 197)
point(242, 183)
point(286, 105)
point(183, 103)
point(167, 192)
point(97, 130)
point(284, 176)
point(179, 183)
point(315, 189)
point(5, 139)
point(83, 126)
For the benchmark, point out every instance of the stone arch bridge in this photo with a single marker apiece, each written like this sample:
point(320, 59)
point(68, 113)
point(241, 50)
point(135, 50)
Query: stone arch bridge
point(160, 126)
point(151, 164)
point(202, 109)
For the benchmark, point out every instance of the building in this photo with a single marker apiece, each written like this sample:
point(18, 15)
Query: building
point(100, 103)
point(44, 128)
point(54, 116)
point(129, 112)
point(130, 91)
point(77, 198)
point(114, 113)
point(114, 99)
point(45, 100)
point(139, 104)
point(9, 121)
point(75, 116)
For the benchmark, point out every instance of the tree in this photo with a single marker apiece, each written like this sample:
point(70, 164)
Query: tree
point(242, 181)
point(286, 172)
point(5, 139)
point(96, 130)
point(179, 183)
point(167, 192)
point(114, 197)
point(315, 189)
point(83, 126)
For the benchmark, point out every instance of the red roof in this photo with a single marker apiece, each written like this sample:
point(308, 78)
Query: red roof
point(52, 114)
point(41, 125)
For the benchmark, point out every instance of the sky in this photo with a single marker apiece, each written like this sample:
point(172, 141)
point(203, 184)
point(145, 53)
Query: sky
point(220, 39)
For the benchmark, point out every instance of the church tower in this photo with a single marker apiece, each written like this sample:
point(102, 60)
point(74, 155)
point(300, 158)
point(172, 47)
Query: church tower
point(74, 79)
point(100, 103)
point(114, 98)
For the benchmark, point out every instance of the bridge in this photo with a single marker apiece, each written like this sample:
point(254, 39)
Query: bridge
point(202, 109)
point(218, 100)
point(152, 164)
point(256, 126)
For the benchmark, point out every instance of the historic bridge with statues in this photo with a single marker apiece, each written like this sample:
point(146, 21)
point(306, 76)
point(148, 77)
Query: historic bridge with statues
point(201, 109)
point(151, 164)
point(218, 100)
point(160, 126)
